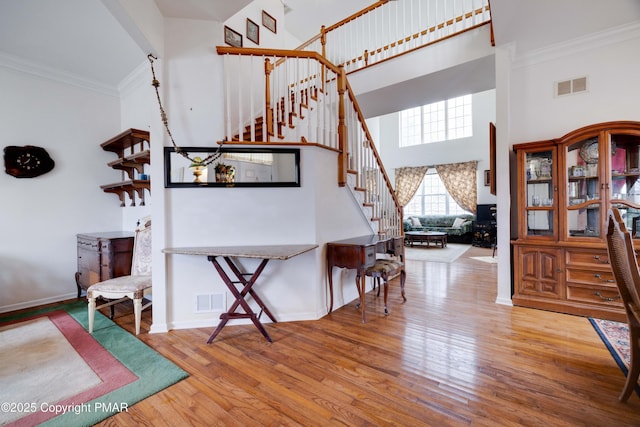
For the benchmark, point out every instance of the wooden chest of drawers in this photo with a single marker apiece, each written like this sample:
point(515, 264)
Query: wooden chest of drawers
point(103, 256)
point(569, 279)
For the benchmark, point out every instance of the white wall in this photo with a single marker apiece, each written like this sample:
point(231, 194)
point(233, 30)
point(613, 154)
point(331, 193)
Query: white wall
point(294, 289)
point(40, 217)
point(455, 151)
point(253, 11)
point(612, 70)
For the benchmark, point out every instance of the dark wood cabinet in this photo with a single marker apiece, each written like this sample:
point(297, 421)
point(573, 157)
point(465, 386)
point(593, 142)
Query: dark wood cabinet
point(565, 188)
point(103, 256)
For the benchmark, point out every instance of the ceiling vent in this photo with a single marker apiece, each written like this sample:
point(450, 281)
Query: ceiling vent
point(568, 87)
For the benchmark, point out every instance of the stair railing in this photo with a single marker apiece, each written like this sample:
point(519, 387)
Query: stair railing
point(298, 97)
point(387, 29)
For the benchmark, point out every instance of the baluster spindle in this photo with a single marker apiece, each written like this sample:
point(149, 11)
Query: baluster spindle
point(227, 97)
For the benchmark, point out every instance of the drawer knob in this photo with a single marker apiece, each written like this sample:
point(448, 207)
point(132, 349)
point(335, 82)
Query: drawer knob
point(603, 298)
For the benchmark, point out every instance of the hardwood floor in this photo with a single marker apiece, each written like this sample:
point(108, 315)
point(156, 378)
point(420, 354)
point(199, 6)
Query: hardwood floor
point(449, 356)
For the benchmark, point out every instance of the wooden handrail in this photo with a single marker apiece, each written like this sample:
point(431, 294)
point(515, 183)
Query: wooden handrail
point(310, 41)
point(283, 53)
point(370, 53)
point(356, 106)
point(412, 42)
point(380, 50)
point(356, 15)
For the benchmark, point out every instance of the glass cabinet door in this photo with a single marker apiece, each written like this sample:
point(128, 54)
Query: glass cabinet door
point(623, 186)
point(540, 200)
point(584, 189)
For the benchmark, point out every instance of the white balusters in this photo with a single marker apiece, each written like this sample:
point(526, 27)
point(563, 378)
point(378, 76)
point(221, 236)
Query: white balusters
point(304, 91)
point(397, 27)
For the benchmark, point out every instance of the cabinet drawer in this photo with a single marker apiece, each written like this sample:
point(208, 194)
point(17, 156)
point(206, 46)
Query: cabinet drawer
point(116, 245)
point(88, 244)
point(587, 257)
point(369, 256)
point(607, 295)
point(590, 276)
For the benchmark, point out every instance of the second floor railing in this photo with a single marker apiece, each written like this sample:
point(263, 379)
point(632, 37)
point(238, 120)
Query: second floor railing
point(390, 28)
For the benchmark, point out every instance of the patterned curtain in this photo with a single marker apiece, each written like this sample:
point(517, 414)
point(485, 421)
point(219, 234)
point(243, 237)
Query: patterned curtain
point(460, 181)
point(407, 182)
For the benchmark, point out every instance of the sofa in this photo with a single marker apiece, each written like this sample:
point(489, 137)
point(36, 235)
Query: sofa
point(459, 228)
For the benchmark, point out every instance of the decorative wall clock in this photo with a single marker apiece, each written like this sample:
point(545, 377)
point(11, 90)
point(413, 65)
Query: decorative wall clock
point(27, 162)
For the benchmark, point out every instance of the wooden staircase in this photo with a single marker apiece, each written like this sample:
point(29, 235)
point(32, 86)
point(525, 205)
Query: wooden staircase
point(285, 118)
point(288, 127)
point(306, 100)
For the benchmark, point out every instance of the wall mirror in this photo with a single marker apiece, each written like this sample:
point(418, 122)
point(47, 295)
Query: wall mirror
point(236, 167)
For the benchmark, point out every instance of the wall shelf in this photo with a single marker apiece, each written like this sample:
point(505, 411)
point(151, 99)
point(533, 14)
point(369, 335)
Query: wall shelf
point(132, 157)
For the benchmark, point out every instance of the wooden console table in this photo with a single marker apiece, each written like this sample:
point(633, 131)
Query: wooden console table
point(247, 280)
point(359, 253)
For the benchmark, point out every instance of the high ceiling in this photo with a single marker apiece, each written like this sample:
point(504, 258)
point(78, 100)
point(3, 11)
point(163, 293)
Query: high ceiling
point(82, 39)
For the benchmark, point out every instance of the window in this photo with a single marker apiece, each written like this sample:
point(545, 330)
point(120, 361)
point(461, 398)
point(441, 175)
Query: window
point(432, 198)
point(439, 121)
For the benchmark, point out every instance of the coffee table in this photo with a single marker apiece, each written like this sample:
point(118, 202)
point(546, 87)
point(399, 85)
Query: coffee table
point(427, 237)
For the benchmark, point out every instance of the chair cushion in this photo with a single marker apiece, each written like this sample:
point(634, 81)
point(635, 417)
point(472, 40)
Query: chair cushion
point(122, 284)
point(385, 266)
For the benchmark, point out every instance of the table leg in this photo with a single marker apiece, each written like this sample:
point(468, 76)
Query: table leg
point(361, 281)
point(330, 273)
point(254, 277)
point(240, 297)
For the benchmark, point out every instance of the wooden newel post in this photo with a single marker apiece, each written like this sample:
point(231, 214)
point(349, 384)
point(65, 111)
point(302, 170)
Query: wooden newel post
point(268, 67)
point(343, 146)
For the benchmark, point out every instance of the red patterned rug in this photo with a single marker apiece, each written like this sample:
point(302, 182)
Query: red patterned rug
point(615, 336)
point(60, 375)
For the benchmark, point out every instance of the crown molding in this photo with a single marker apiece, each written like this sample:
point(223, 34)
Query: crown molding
point(589, 42)
point(23, 66)
point(140, 76)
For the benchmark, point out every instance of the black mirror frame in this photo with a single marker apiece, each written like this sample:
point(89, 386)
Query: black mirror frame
point(171, 150)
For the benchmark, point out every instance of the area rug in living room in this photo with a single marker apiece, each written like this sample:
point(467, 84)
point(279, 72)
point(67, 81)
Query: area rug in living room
point(433, 253)
point(615, 336)
point(60, 375)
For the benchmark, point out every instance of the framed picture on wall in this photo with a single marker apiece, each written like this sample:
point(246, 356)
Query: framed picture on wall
point(232, 38)
point(487, 178)
point(253, 31)
point(269, 21)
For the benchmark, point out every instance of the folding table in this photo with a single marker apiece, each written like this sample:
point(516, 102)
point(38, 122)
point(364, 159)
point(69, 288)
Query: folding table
point(247, 280)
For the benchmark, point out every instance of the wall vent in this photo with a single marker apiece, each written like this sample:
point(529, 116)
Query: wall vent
point(207, 303)
point(567, 87)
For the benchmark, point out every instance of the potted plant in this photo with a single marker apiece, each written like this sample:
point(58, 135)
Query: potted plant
point(224, 173)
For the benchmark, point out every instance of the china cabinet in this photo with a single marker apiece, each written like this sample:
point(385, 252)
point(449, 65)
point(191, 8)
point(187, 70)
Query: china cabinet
point(565, 188)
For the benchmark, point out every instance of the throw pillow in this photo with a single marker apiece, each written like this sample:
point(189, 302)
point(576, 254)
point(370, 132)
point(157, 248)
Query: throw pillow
point(415, 222)
point(457, 223)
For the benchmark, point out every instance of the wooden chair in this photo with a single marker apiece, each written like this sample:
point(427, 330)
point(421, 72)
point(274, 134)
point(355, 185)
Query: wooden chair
point(385, 269)
point(131, 287)
point(625, 271)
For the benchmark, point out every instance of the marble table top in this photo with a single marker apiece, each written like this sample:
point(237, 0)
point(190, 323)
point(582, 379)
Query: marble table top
point(244, 251)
